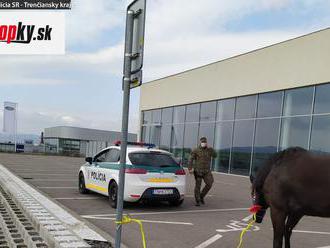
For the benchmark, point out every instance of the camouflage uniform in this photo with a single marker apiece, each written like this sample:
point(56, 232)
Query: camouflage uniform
point(200, 160)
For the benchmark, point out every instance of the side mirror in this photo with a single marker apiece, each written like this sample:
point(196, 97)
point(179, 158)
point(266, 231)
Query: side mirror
point(89, 160)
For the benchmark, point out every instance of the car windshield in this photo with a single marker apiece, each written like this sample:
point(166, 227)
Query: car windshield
point(154, 159)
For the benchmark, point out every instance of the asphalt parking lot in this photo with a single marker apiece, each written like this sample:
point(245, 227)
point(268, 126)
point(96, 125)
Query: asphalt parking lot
point(217, 224)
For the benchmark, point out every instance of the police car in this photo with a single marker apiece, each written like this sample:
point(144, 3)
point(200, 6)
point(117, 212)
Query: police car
point(151, 174)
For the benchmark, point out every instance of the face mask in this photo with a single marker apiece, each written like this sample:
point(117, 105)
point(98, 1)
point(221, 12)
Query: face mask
point(203, 145)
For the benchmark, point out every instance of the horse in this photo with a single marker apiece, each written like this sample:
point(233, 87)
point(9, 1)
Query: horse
point(293, 183)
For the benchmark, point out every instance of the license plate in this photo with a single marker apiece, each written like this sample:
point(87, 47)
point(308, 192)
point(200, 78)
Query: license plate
point(163, 191)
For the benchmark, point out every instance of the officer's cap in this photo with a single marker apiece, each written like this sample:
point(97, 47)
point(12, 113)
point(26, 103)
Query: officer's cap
point(203, 139)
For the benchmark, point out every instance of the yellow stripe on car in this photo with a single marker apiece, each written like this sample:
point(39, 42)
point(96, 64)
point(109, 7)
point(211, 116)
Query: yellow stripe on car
point(99, 188)
point(160, 180)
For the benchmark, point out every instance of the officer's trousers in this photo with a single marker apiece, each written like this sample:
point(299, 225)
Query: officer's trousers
point(200, 175)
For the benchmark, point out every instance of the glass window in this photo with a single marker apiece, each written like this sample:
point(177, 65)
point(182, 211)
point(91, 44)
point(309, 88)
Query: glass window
point(190, 140)
point(295, 132)
point(208, 110)
point(146, 117)
point(222, 145)
point(245, 107)
point(179, 114)
point(177, 140)
point(153, 159)
point(155, 135)
point(270, 104)
point(298, 101)
point(156, 116)
point(145, 134)
point(165, 138)
point(100, 157)
point(322, 99)
point(226, 109)
point(242, 147)
point(206, 129)
point(167, 115)
point(112, 155)
point(320, 139)
point(265, 143)
point(192, 113)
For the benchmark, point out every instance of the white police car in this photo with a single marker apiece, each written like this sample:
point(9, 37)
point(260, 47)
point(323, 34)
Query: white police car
point(151, 174)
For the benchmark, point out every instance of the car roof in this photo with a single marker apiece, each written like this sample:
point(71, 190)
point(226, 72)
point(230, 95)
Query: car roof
point(133, 148)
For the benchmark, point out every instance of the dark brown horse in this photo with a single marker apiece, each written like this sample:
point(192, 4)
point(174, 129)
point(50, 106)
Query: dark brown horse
point(293, 183)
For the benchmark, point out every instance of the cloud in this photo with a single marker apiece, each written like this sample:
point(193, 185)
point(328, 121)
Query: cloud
point(192, 35)
point(35, 122)
point(89, 19)
point(180, 35)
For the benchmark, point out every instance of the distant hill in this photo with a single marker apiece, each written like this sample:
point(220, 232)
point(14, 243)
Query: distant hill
point(21, 138)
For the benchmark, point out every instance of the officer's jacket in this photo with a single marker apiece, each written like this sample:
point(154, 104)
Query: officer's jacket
point(200, 158)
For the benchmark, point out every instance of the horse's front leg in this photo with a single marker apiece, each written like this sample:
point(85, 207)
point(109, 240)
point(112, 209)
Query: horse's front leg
point(278, 221)
point(291, 222)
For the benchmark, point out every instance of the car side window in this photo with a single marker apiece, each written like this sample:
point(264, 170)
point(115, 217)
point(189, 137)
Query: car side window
point(101, 157)
point(112, 156)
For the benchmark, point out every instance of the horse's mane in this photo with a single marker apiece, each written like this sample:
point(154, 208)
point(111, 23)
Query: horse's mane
point(275, 160)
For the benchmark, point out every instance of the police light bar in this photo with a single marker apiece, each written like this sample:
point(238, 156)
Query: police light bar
point(142, 144)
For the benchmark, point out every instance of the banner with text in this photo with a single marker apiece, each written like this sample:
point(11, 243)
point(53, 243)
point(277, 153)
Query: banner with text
point(32, 32)
point(35, 4)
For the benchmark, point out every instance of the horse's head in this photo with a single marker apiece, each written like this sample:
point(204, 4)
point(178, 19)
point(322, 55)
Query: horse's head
point(258, 200)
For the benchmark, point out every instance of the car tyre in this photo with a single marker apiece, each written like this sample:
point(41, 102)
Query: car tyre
point(82, 185)
point(113, 192)
point(176, 203)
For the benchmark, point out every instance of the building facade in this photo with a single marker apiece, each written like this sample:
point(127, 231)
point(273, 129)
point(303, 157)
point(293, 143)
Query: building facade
point(248, 106)
point(79, 141)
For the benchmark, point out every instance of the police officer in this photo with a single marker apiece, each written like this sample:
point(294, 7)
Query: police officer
point(200, 161)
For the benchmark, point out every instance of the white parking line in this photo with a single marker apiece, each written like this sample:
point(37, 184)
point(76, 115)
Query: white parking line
point(234, 226)
point(312, 232)
point(209, 241)
point(76, 198)
point(324, 247)
point(190, 196)
point(53, 180)
point(57, 187)
point(175, 212)
point(42, 174)
point(145, 221)
point(247, 218)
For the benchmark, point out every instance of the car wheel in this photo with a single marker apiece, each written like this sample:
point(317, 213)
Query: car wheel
point(82, 186)
point(176, 203)
point(113, 190)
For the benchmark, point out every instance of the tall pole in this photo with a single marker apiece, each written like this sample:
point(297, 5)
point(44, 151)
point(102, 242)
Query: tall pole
point(125, 114)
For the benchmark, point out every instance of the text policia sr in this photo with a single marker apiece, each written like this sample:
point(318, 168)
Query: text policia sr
point(21, 33)
point(35, 5)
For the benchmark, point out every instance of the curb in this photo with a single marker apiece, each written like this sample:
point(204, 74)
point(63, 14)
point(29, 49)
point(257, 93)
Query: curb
point(56, 226)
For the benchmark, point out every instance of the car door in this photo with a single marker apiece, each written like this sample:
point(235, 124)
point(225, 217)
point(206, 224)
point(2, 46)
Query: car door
point(108, 169)
point(95, 176)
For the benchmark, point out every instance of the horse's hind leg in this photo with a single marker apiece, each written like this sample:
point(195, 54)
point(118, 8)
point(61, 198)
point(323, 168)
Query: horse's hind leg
point(278, 221)
point(291, 222)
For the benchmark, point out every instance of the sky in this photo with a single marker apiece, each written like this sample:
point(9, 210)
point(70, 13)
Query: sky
point(83, 87)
